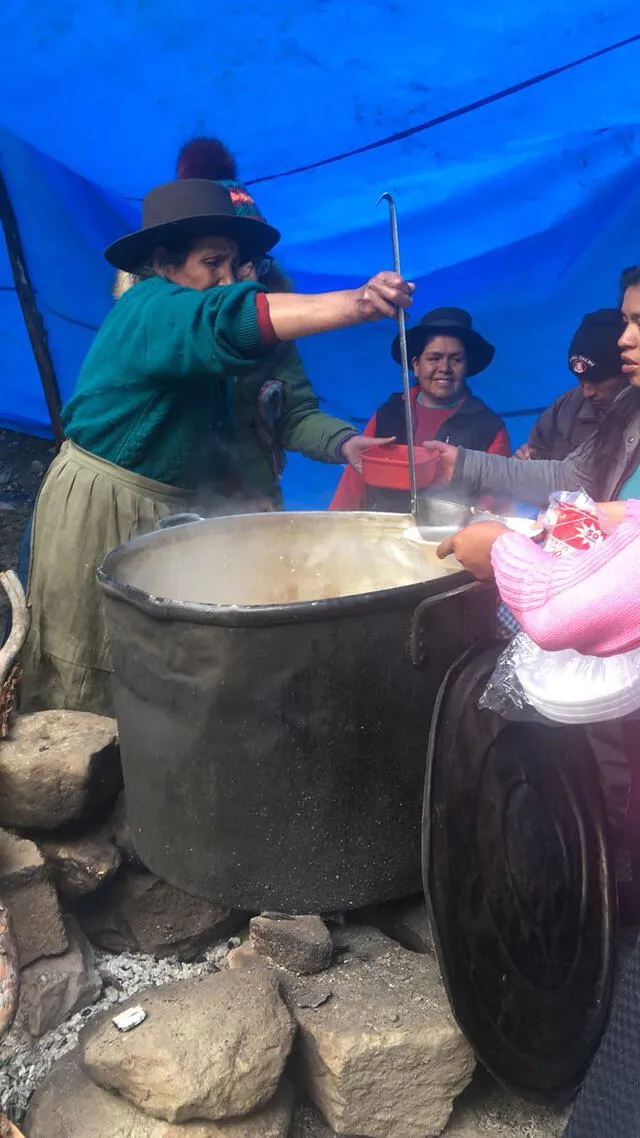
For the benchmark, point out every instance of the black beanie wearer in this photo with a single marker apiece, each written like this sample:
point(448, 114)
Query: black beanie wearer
point(594, 354)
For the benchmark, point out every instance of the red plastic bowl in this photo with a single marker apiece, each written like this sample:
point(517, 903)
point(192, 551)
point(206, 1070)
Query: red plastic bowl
point(388, 466)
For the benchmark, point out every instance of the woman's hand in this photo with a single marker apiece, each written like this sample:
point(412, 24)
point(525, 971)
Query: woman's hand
point(525, 451)
point(472, 547)
point(294, 314)
point(614, 512)
point(382, 296)
point(447, 456)
point(351, 450)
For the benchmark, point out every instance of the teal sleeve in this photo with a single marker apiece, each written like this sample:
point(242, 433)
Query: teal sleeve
point(216, 333)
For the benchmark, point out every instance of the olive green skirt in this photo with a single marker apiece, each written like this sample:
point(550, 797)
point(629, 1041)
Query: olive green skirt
point(85, 508)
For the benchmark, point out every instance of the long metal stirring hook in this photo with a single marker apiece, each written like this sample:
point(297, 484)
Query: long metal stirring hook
point(404, 358)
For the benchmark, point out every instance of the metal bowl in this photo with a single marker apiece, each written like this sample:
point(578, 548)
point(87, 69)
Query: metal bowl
point(440, 513)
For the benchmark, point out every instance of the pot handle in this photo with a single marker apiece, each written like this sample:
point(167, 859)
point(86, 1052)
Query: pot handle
point(445, 626)
point(178, 520)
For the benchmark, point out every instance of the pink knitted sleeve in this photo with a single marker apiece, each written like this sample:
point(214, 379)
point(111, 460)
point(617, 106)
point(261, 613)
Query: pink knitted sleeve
point(587, 600)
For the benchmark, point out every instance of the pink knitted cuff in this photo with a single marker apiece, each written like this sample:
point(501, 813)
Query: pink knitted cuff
point(527, 577)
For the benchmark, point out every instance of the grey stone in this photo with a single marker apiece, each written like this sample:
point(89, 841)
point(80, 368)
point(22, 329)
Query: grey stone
point(246, 956)
point(301, 944)
point(80, 865)
point(383, 1057)
point(136, 912)
point(407, 922)
point(314, 998)
point(54, 988)
point(57, 767)
point(412, 928)
point(28, 893)
point(210, 1049)
point(25, 1062)
point(359, 942)
point(70, 1105)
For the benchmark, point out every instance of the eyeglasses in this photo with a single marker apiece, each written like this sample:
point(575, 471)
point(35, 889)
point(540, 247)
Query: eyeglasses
point(260, 268)
point(264, 266)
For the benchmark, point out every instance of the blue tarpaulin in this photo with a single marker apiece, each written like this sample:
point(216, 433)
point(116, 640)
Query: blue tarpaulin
point(509, 135)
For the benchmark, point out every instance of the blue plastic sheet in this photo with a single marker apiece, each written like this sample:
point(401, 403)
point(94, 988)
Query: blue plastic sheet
point(521, 206)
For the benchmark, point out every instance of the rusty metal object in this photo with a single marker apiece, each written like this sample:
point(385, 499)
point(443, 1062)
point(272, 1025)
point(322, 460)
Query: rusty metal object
point(9, 666)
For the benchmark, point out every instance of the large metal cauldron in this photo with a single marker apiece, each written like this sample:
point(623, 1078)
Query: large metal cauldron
point(274, 682)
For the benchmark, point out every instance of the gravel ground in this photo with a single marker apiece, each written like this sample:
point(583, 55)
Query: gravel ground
point(308, 1123)
point(24, 1062)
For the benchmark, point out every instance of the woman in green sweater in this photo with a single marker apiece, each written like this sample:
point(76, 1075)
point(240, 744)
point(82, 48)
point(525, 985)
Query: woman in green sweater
point(275, 409)
point(139, 426)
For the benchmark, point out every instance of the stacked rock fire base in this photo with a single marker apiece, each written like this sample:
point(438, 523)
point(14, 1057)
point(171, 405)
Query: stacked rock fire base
point(370, 1040)
point(69, 875)
point(227, 1037)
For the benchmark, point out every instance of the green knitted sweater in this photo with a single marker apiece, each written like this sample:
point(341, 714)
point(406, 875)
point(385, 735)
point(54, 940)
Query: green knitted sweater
point(157, 379)
point(302, 427)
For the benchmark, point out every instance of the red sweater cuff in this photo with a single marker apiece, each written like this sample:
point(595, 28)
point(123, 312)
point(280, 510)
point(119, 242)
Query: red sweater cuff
point(267, 330)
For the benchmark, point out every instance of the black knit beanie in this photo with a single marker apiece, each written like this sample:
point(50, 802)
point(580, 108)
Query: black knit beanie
point(594, 353)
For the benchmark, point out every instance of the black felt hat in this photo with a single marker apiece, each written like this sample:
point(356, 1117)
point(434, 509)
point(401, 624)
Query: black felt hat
point(193, 207)
point(448, 322)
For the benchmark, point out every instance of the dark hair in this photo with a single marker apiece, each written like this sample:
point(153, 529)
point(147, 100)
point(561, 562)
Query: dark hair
point(449, 335)
point(434, 336)
point(165, 257)
point(276, 280)
point(609, 437)
point(175, 255)
point(629, 278)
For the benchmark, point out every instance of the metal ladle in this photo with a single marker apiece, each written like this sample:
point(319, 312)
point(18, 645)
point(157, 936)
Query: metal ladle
point(442, 517)
point(404, 358)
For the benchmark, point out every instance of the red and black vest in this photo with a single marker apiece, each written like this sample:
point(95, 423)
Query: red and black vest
point(473, 425)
